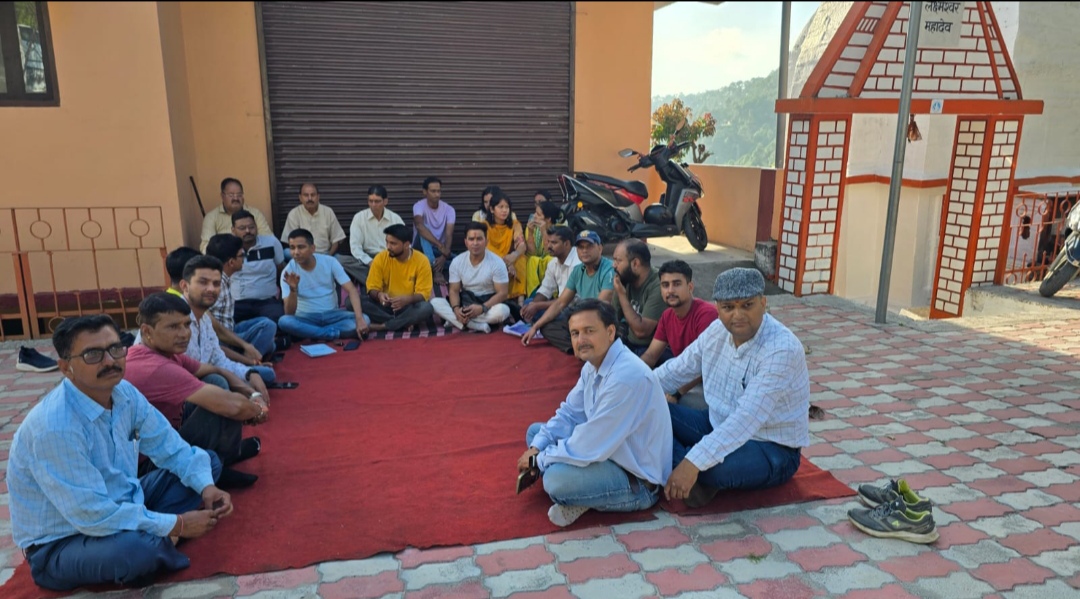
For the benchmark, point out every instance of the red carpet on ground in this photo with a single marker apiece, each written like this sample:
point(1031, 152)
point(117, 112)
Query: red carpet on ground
point(405, 443)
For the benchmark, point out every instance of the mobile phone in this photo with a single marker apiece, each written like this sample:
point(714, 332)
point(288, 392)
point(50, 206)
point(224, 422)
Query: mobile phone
point(352, 345)
point(527, 478)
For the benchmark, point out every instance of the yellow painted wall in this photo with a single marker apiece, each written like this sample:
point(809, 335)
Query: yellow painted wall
point(225, 86)
point(612, 83)
point(107, 144)
point(183, 139)
point(729, 208)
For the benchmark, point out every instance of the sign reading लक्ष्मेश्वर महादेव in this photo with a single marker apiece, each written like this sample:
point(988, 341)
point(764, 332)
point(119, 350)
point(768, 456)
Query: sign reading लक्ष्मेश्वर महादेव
point(941, 23)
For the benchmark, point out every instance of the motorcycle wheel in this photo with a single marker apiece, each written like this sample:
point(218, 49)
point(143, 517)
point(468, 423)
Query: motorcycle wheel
point(694, 230)
point(1061, 272)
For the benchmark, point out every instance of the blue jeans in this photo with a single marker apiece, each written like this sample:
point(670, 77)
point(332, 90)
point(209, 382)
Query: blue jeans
point(602, 486)
point(755, 465)
point(258, 331)
point(129, 557)
point(326, 326)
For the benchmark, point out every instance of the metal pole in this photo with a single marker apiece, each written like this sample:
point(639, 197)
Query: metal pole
point(912, 43)
point(782, 91)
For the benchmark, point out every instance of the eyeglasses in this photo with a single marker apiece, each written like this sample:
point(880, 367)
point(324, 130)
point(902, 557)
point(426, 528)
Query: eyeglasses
point(96, 355)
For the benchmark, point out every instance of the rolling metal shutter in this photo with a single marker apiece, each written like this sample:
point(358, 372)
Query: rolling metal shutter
point(363, 93)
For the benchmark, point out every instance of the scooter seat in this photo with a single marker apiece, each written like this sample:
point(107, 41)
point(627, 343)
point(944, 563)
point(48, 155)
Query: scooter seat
point(634, 187)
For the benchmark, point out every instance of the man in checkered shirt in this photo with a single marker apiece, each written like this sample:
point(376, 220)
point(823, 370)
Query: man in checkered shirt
point(757, 389)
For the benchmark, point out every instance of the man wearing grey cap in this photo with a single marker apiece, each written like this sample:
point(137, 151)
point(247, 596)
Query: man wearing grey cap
point(757, 389)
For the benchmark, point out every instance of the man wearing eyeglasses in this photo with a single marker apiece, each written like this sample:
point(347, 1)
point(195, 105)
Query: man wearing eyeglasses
point(78, 510)
point(757, 389)
point(219, 220)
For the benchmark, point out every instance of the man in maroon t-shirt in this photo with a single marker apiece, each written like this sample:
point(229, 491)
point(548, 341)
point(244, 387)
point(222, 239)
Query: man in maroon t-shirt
point(206, 414)
point(685, 318)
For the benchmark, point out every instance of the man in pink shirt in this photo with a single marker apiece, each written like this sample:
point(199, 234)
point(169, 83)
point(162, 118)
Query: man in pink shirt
point(680, 325)
point(206, 414)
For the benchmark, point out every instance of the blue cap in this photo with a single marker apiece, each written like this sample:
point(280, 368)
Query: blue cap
point(738, 283)
point(589, 236)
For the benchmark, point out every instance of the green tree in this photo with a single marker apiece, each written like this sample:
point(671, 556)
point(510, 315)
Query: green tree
point(666, 121)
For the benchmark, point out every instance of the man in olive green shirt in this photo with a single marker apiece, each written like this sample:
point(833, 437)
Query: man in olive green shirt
point(638, 300)
point(219, 219)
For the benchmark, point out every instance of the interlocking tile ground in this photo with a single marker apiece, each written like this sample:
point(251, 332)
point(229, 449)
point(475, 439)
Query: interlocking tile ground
point(981, 416)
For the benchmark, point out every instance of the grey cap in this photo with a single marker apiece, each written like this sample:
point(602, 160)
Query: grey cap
point(738, 283)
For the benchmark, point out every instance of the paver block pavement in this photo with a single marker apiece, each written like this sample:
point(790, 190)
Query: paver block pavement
point(515, 581)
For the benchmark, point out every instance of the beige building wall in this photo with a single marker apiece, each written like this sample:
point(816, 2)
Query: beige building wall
point(612, 84)
point(228, 122)
point(108, 144)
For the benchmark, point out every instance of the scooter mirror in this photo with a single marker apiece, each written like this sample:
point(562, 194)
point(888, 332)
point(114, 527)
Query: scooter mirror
point(681, 125)
point(626, 153)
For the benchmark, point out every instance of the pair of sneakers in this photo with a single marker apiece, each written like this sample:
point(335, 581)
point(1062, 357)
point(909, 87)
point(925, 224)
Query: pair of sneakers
point(896, 512)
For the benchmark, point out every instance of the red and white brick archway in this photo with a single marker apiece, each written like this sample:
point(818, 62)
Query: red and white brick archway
point(860, 73)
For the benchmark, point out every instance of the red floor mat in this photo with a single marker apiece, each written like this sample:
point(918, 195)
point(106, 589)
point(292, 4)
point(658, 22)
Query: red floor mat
point(404, 444)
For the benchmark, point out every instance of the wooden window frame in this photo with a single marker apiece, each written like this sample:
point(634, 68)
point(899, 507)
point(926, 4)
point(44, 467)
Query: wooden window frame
point(9, 39)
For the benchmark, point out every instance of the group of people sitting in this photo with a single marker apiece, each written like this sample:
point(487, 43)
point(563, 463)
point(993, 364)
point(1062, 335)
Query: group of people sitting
point(137, 447)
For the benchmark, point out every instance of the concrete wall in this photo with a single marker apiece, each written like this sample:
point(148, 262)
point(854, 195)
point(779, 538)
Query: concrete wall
point(612, 84)
point(107, 144)
point(858, 263)
point(225, 86)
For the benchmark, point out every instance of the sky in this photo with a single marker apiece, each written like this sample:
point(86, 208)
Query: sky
point(698, 46)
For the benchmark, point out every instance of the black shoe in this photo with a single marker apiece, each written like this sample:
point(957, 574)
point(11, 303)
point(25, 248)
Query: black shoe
point(282, 343)
point(249, 448)
point(700, 495)
point(31, 360)
point(234, 479)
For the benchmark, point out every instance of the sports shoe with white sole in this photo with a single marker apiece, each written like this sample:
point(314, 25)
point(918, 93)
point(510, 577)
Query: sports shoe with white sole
point(565, 515)
point(31, 360)
point(894, 521)
point(895, 489)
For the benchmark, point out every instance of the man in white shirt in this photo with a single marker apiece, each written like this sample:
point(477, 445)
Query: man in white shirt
point(479, 284)
point(757, 389)
point(608, 447)
point(560, 244)
point(367, 235)
point(318, 219)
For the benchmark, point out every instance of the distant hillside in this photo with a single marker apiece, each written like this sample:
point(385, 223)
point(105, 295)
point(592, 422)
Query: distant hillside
point(750, 138)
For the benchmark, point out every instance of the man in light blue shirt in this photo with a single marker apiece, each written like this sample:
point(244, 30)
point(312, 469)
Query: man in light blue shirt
point(609, 445)
point(307, 287)
point(78, 511)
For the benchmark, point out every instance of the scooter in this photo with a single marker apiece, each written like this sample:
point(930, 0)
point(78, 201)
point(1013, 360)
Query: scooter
point(612, 207)
point(1064, 268)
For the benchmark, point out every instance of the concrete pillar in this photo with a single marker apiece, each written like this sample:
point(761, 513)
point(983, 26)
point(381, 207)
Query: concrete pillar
point(817, 147)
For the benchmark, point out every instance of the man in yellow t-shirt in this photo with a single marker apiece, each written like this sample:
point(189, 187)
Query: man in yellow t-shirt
point(398, 283)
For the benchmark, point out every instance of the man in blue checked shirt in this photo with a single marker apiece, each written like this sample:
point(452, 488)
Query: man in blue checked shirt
point(78, 511)
point(757, 389)
point(608, 447)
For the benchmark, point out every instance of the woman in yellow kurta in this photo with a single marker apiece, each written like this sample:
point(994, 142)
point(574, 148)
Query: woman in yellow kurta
point(547, 215)
point(507, 241)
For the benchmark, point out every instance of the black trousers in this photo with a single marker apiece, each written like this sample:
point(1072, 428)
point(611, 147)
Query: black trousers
point(207, 430)
point(247, 309)
point(417, 313)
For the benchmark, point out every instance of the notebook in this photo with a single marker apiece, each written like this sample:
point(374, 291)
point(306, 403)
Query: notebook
point(520, 328)
point(317, 349)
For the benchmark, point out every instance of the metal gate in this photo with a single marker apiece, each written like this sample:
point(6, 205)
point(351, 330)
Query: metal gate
point(363, 93)
point(75, 261)
point(1035, 234)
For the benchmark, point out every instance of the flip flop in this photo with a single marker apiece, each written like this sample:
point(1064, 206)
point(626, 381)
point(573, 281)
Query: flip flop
point(277, 385)
point(277, 358)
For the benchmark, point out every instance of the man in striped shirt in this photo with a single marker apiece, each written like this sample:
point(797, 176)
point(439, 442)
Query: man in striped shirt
point(757, 388)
